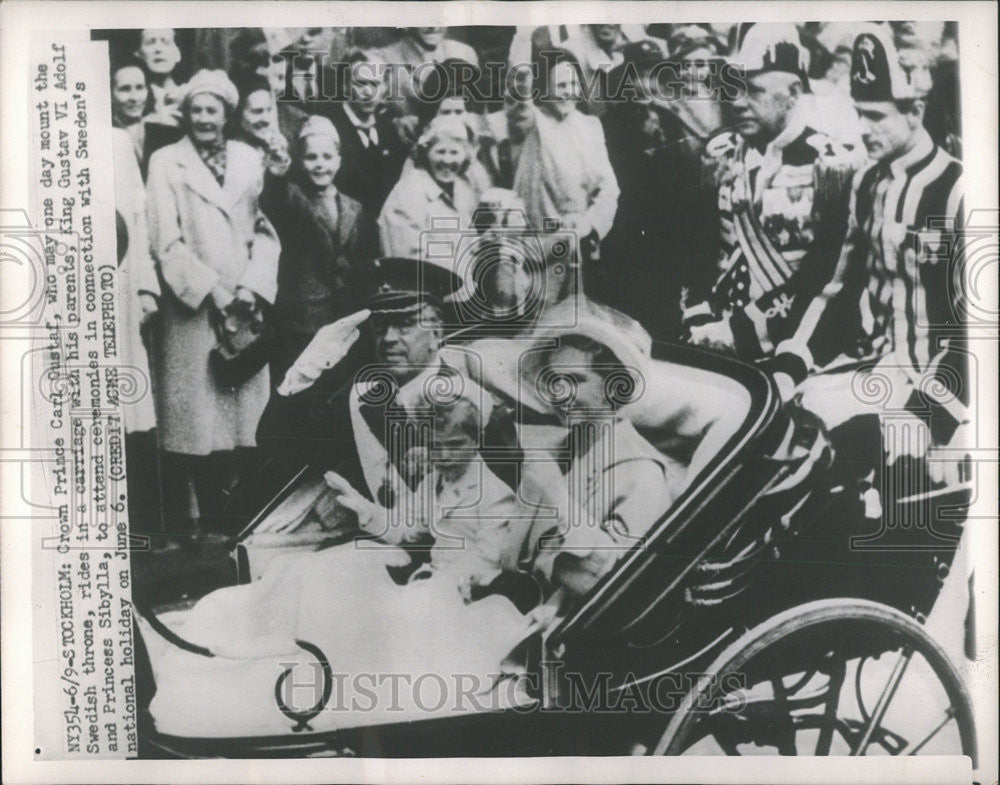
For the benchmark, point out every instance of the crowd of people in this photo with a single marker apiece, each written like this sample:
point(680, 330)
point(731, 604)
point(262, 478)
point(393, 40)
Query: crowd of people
point(760, 190)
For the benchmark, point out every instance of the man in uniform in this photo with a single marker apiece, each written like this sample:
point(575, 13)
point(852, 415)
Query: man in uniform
point(893, 302)
point(782, 201)
point(335, 410)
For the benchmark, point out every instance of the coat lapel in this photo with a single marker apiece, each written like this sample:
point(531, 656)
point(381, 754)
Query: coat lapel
point(347, 219)
point(243, 169)
point(198, 177)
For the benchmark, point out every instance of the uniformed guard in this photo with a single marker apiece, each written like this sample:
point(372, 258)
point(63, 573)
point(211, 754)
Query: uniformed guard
point(895, 300)
point(782, 201)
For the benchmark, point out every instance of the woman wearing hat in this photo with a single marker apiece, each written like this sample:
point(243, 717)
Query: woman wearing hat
point(436, 189)
point(324, 235)
point(212, 245)
point(617, 484)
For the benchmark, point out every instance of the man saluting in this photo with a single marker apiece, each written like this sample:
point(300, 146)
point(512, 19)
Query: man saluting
point(782, 201)
point(336, 410)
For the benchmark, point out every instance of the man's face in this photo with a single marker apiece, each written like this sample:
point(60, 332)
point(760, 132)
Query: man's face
point(885, 130)
point(762, 108)
point(406, 343)
point(605, 35)
point(428, 37)
point(517, 102)
point(314, 39)
point(367, 87)
point(158, 50)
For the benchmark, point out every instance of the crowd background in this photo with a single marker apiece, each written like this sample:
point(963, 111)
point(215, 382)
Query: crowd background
point(316, 187)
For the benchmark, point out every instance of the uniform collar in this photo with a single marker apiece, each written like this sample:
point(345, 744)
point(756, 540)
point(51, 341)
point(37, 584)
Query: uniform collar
point(923, 148)
point(411, 393)
point(775, 147)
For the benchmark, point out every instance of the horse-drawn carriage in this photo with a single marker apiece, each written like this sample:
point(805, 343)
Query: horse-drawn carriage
point(763, 613)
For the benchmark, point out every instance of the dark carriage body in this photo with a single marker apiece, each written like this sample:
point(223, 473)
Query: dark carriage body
point(758, 531)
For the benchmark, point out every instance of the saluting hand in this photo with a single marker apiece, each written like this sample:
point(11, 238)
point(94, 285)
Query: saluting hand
point(328, 347)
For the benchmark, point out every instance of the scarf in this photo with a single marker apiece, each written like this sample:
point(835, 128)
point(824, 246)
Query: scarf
point(555, 172)
point(214, 158)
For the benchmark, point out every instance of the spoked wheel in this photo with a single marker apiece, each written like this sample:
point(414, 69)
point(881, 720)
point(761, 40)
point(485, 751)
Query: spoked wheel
point(833, 677)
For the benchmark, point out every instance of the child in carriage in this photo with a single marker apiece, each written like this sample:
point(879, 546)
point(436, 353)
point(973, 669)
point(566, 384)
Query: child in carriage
point(368, 609)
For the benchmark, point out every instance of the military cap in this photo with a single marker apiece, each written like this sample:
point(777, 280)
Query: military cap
point(400, 284)
point(642, 54)
point(765, 47)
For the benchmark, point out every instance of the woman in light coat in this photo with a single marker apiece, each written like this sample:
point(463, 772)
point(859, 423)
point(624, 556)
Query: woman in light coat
point(211, 244)
point(563, 173)
point(434, 201)
point(139, 293)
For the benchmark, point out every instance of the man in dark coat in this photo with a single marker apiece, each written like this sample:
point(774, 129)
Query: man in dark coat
point(782, 197)
point(371, 149)
point(647, 244)
point(355, 417)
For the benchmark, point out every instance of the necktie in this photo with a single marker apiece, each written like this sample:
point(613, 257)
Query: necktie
point(369, 136)
point(505, 164)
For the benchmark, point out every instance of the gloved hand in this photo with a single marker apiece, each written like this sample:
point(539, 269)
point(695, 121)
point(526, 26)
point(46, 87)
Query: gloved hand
point(328, 347)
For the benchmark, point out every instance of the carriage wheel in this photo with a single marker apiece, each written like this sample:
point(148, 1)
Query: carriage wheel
point(825, 679)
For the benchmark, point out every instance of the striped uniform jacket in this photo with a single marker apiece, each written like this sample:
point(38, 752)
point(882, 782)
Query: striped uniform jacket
point(782, 216)
point(896, 294)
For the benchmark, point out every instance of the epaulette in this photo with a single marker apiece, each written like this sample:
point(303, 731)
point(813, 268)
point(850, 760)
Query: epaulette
point(835, 167)
point(718, 150)
point(721, 145)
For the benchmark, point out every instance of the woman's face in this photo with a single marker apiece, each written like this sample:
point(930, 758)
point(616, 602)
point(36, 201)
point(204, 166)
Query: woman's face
point(158, 51)
point(454, 106)
point(206, 118)
point(445, 158)
point(697, 65)
point(129, 93)
point(576, 387)
point(258, 113)
point(565, 90)
point(320, 160)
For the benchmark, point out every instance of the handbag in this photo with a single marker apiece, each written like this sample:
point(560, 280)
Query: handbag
point(245, 341)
